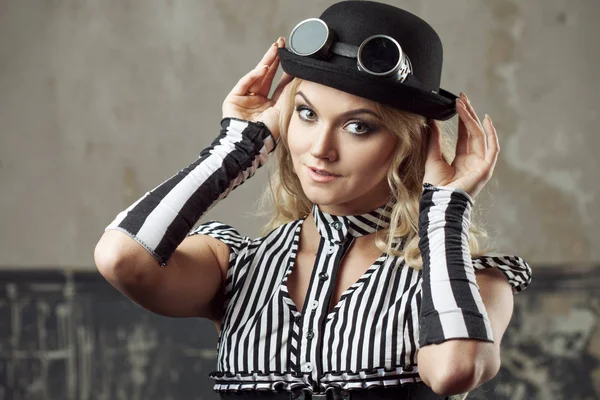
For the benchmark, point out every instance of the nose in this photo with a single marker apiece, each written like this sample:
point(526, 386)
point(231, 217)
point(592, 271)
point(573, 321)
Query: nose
point(324, 144)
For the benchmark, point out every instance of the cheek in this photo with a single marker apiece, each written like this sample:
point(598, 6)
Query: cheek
point(374, 158)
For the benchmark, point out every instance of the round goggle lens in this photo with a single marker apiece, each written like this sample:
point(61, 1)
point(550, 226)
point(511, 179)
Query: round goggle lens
point(308, 38)
point(380, 55)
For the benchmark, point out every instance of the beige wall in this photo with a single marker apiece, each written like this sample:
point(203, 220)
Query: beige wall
point(102, 100)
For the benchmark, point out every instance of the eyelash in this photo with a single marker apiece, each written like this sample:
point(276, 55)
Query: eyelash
point(368, 128)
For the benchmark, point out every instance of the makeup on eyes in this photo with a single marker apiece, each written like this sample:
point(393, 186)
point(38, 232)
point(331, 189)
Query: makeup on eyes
point(368, 126)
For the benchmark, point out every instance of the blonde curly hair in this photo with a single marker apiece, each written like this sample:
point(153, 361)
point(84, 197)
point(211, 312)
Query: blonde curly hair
point(286, 202)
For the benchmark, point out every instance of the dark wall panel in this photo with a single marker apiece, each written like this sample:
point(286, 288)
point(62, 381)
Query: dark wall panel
point(70, 335)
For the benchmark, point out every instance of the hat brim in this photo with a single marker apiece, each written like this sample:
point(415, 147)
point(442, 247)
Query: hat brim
point(440, 106)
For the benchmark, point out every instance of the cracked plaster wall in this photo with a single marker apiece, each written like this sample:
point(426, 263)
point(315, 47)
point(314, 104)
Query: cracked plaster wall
point(102, 100)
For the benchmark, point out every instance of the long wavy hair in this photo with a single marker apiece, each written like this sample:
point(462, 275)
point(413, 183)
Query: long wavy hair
point(285, 200)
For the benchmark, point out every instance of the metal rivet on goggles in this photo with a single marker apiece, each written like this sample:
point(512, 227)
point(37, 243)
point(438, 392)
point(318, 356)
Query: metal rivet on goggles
point(378, 55)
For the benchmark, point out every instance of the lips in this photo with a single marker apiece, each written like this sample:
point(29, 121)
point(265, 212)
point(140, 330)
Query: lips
point(323, 172)
point(321, 175)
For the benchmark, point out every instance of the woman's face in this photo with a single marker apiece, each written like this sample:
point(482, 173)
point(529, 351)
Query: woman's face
point(340, 149)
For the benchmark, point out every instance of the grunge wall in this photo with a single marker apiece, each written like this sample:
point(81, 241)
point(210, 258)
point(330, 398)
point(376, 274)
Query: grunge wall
point(102, 100)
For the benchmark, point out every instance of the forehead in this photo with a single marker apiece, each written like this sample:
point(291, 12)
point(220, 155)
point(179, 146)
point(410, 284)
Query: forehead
point(322, 96)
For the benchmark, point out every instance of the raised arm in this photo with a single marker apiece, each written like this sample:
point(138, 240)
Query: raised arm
point(152, 232)
point(463, 315)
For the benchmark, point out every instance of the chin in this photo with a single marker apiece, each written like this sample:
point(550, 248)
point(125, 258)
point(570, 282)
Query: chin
point(343, 197)
point(335, 202)
point(324, 197)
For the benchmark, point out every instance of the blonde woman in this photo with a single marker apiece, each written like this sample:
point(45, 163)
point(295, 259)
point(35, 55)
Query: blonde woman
point(369, 281)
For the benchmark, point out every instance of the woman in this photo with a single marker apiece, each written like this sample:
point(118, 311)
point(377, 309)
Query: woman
point(365, 283)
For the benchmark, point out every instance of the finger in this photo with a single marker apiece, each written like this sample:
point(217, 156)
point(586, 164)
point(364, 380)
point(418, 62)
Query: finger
point(469, 107)
point(267, 81)
point(267, 60)
point(434, 149)
point(462, 141)
point(492, 139)
point(476, 134)
point(269, 56)
point(242, 87)
point(281, 85)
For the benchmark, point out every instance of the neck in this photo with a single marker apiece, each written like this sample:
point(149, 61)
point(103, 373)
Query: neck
point(350, 209)
point(379, 196)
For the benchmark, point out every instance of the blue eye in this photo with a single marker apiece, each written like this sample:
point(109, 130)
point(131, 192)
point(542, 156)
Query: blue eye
point(358, 128)
point(305, 113)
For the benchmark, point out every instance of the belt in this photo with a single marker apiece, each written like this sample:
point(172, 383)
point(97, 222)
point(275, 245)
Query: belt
point(412, 391)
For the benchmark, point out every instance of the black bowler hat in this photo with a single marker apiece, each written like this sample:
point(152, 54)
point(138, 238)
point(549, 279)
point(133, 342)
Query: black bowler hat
point(354, 21)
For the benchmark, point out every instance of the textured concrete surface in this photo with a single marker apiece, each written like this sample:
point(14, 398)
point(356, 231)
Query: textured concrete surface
point(102, 100)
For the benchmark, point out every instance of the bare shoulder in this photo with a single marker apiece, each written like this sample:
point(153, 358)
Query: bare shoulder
point(198, 245)
point(190, 285)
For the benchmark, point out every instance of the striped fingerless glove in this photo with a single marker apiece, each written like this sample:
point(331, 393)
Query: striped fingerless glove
point(163, 217)
point(451, 307)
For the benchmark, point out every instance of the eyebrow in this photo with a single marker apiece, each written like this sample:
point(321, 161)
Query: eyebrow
point(345, 114)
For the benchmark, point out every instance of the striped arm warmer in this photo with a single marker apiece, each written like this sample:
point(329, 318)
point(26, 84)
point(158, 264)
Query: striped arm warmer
point(163, 217)
point(452, 307)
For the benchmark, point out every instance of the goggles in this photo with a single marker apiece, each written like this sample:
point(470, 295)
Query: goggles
point(378, 55)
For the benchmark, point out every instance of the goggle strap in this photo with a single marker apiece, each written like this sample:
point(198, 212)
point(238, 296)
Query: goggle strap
point(345, 50)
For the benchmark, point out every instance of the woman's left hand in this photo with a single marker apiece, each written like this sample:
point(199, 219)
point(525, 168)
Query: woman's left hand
point(476, 152)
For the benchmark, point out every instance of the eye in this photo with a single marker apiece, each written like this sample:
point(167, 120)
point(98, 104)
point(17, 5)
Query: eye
point(305, 113)
point(359, 128)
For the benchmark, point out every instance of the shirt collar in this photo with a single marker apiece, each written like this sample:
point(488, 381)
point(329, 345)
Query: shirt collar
point(337, 228)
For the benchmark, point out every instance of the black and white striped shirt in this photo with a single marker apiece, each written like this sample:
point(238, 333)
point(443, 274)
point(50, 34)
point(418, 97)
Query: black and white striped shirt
point(372, 335)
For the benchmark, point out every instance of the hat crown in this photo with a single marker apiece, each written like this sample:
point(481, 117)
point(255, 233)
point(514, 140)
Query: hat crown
point(354, 21)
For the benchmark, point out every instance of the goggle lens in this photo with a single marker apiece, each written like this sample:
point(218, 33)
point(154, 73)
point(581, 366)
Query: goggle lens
point(379, 55)
point(308, 37)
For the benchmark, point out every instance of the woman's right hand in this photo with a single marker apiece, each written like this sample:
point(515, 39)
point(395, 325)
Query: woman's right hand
point(249, 100)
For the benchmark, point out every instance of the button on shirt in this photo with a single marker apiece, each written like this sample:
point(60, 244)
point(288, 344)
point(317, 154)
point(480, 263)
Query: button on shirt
point(369, 338)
